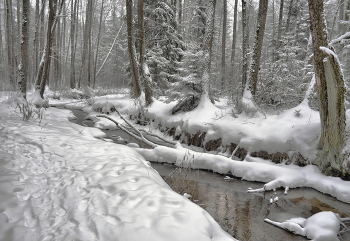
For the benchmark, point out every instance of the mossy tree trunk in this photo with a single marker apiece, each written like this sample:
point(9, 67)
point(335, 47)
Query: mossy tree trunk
point(331, 90)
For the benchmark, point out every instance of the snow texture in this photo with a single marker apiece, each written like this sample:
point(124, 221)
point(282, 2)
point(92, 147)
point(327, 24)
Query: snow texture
point(58, 182)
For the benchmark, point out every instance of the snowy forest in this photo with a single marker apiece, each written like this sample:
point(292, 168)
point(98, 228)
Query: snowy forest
point(175, 120)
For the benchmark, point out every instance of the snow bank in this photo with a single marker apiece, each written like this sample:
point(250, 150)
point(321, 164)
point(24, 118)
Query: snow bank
point(253, 169)
point(59, 183)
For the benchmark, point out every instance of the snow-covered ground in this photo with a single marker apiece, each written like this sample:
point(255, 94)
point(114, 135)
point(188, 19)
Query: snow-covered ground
point(58, 182)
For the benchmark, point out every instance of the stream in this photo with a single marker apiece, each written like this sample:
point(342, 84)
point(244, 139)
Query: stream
point(239, 213)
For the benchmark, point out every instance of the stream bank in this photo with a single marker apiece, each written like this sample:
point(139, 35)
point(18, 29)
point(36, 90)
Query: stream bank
point(239, 213)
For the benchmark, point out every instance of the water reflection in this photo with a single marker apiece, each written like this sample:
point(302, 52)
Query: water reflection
point(242, 214)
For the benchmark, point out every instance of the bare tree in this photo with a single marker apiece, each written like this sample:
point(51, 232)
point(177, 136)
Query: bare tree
point(279, 30)
point(145, 74)
point(207, 46)
point(331, 90)
point(245, 43)
point(260, 30)
point(74, 10)
point(11, 56)
point(132, 51)
point(223, 46)
point(23, 70)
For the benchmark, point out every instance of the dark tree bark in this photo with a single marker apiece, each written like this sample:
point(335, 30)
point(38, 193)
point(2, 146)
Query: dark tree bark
point(74, 10)
point(97, 44)
point(279, 30)
point(145, 74)
point(289, 17)
point(260, 30)
point(180, 17)
point(22, 83)
point(132, 51)
point(11, 59)
point(245, 43)
point(44, 67)
point(85, 71)
point(331, 90)
point(207, 46)
point(223, 47)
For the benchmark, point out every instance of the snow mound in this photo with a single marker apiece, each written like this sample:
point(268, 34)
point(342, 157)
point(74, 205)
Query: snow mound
point(323, 226)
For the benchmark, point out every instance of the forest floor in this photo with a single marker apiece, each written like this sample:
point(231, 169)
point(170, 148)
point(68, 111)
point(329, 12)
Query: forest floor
point(59, 182)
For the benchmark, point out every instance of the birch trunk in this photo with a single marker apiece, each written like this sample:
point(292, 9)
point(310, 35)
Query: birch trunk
point(22, 84)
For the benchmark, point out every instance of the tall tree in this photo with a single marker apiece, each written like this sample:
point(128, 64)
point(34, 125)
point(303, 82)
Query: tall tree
point(74, 10)
point(223, 46)
point(44, 68)
point(11, 56)
point(145, 74)
point(280, 21)
point(245, 43)
point(132, 51)
point(85, 71)
point(23, 70)
point(207, 46)
point(330, 89)
point(260, 30)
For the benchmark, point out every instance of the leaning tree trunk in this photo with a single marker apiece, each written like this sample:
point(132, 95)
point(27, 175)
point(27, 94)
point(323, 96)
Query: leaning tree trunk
point(331, 90)
point(131, 50)
point(207, 46)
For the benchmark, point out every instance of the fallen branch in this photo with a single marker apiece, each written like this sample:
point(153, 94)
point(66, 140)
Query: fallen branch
point(140, 138)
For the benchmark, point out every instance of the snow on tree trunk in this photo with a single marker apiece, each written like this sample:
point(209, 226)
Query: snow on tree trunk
point(331, 90)
point(145, 74)
point(245, 43)
point(132, 51)
point(23, 71)
point(207, 46)
point(260, 30)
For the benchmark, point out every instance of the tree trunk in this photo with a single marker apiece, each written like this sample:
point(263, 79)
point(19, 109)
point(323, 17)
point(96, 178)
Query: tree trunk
point(23, 70)
point(207, 46)
point(145, 74)
point(11, 61)
point(245, 43)
point(180, 17)
point(44, 68)
point(279, 30)
point(223, 47)
point(74, 9)
point(85, 71)
point(97, 45)
point(330, 89)
point(260, 29)
point(289, 15)
point(132, 51)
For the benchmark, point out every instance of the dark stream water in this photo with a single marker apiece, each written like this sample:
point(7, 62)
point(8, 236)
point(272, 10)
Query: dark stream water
point(239, 213)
